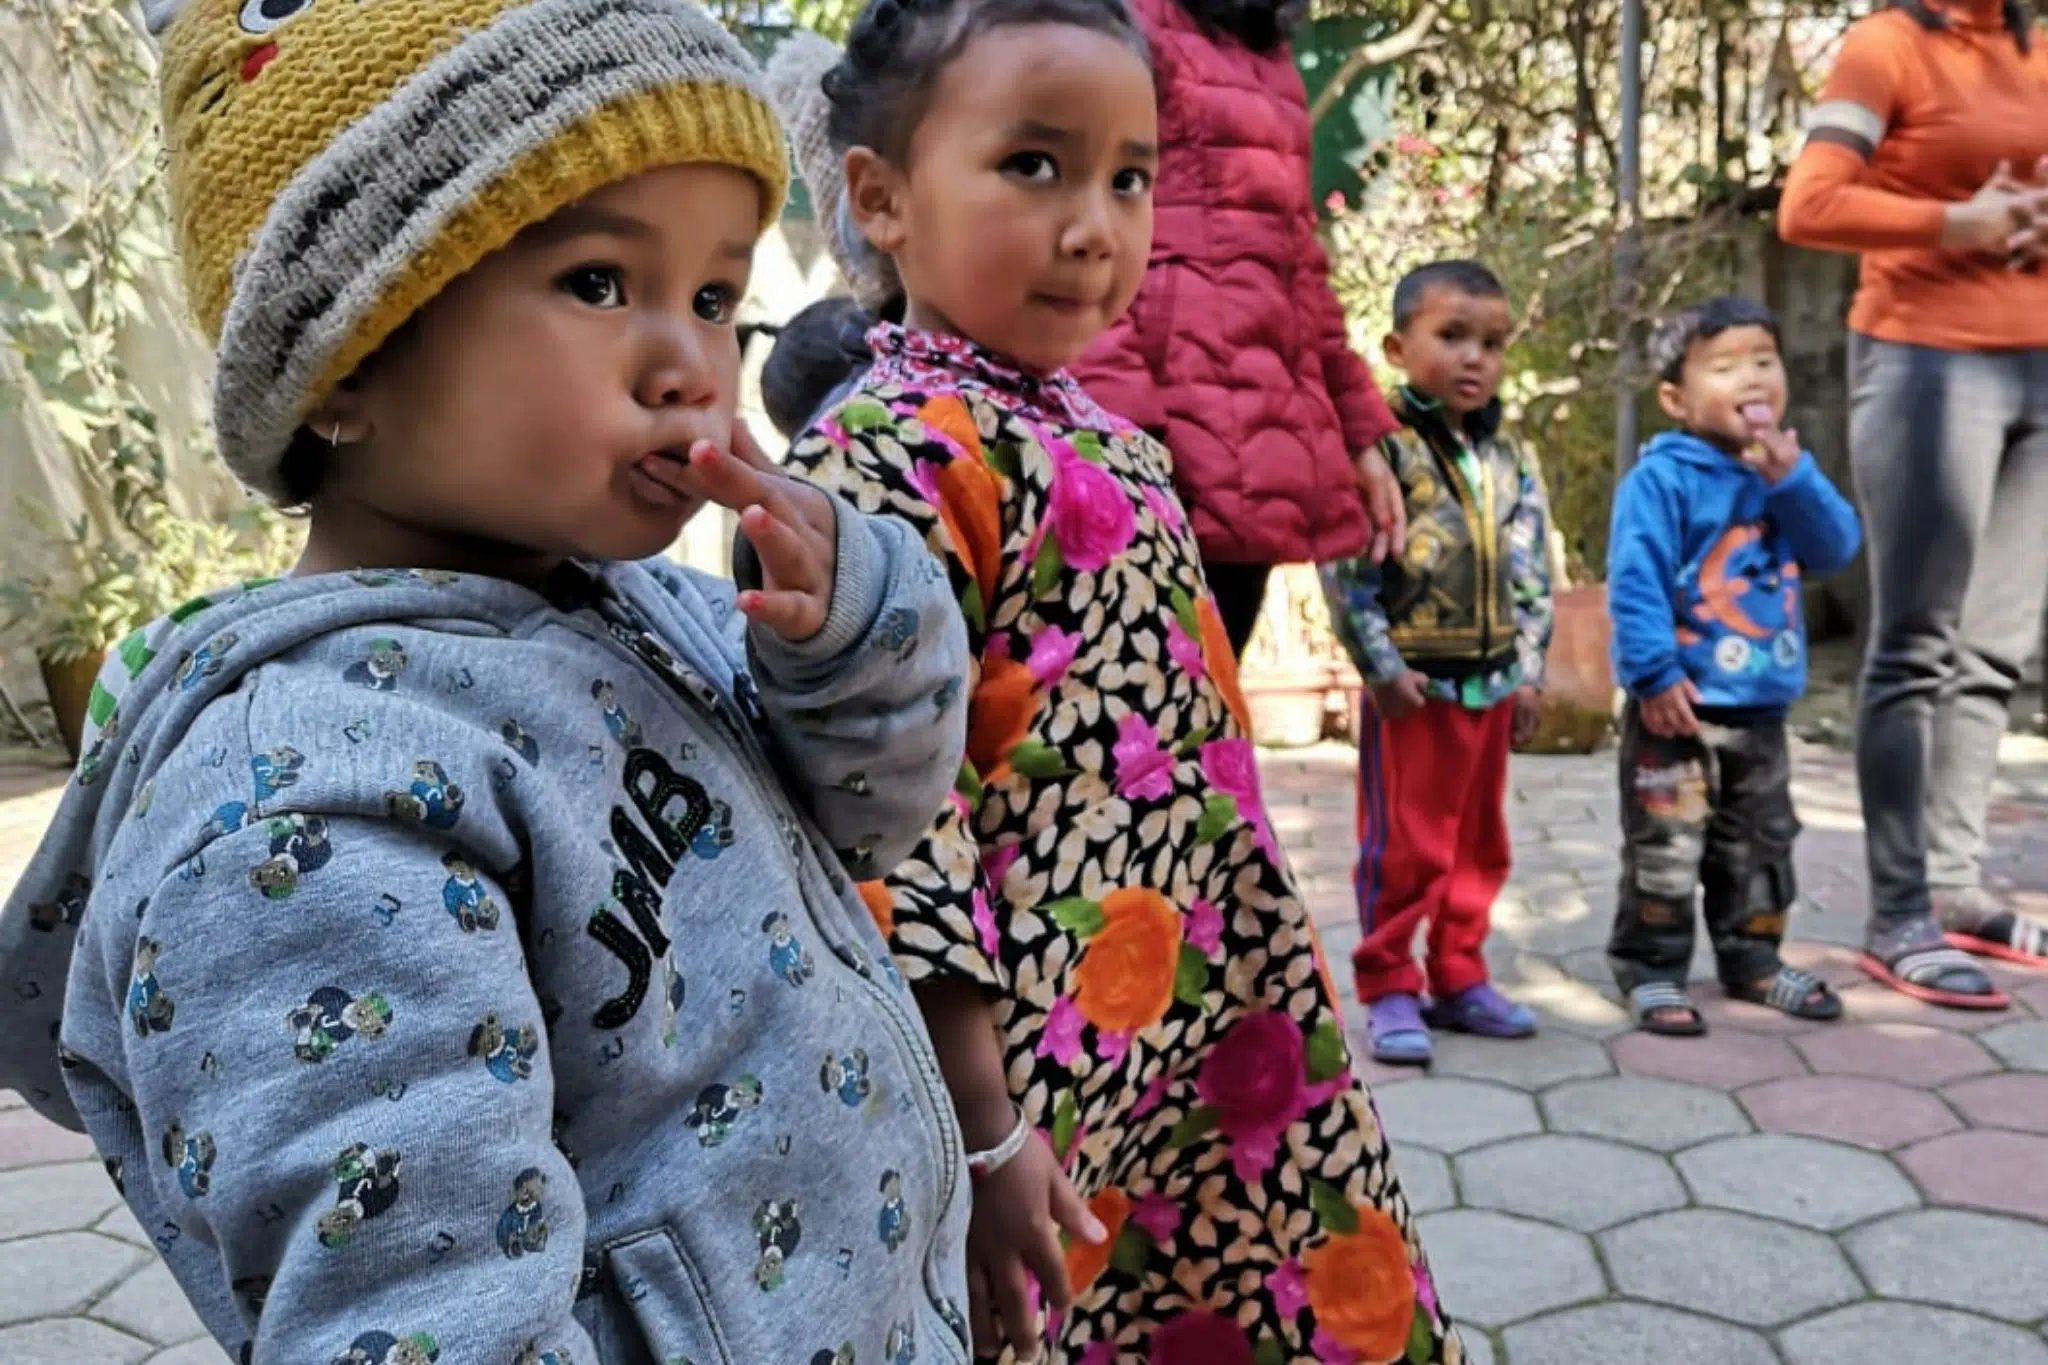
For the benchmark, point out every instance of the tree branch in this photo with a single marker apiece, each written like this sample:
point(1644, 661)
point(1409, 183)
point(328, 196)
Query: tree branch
point(1409, 38)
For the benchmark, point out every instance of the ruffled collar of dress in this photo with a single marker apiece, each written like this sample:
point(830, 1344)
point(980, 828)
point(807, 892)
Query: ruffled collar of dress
point(920, 354)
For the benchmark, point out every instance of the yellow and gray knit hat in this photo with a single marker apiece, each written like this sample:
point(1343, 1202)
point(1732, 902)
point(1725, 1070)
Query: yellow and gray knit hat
point(335, 164)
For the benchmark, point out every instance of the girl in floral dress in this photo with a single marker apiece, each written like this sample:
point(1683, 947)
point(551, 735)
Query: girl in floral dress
point(1109, 948)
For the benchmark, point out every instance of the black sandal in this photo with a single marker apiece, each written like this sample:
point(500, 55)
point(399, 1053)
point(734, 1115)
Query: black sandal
point(1791, 991)
point(1651, 997)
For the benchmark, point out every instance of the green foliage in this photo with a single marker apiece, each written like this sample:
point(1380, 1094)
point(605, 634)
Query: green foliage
point(75, 244)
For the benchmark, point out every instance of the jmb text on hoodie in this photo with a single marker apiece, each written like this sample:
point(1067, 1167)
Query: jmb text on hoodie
point(1704, 566)
point(454, 973)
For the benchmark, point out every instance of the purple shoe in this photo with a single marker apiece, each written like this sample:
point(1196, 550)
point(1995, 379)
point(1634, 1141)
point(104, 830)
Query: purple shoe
point(1399, 1037)
point(1483, 1010)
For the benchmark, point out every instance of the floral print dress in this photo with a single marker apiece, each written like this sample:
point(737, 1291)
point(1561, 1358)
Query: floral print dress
point(1107, 872)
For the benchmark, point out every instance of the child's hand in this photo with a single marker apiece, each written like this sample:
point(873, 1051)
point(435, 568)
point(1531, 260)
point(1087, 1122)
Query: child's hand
point(1396, 697)
point(1013, 1238)
point(1771, 452)
point(1528, 715)
point(791, 525)
point(1669, 713)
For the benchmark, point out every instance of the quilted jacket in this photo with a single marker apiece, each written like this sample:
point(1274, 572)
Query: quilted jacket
point(1234, 352)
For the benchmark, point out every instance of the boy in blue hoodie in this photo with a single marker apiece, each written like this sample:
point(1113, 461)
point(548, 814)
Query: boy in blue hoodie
point(1713, 530)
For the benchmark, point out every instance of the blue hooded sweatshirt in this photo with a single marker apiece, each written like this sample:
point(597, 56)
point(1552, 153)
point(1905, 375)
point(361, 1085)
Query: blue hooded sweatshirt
point(1704, 562)
point(452, 973)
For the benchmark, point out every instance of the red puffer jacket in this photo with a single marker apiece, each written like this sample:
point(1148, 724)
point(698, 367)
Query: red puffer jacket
point(1235, 350)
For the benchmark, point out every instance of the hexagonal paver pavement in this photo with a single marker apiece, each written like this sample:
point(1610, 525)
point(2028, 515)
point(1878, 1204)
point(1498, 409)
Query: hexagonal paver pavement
point(1579, 1182)
point(1801, 1180)
point(1478, 1346)
point(59, 1273)
point(1750, 1270)
point(151, 1306)
point(2007, 1100)
point(1864, 1333)
point(1853, 1109)
point(55, 1198)
point(1451, 1115)
point(1493, 1269)
point(1526, 1063)
point(2022, 1045)
point(1914, 1054)
point(1983, 1169)
point(202, 1352)
point(1724, 1059)
point(1976, 1261)
point(1644, 1111)
point(1633, 1334)
point(1426, 1178)
point(70, 1341)
point(26, 1139)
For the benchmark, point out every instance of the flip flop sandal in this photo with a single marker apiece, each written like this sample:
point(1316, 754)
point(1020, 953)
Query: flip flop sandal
point(1919, 972)
point(1484, 1011)
point(2026, 944)
point(1791, 991)
point(1647, 999)
point(1394, 1025)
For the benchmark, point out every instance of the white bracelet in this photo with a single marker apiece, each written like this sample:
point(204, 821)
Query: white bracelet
point(986, 1163)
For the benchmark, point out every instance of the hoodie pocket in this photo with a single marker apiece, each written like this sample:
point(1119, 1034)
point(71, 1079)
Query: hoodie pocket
point(667, 1297)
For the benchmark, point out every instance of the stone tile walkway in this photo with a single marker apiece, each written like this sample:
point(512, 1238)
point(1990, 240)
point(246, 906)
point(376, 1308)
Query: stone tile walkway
point(1772, 1194)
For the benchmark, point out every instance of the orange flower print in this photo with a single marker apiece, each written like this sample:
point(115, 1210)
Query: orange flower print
point(970, 500)
point(1124, 980)
point(881, 904)
point(1085, 1260)
point(1222, 661)
point(999, 714)
point(1362, 1286)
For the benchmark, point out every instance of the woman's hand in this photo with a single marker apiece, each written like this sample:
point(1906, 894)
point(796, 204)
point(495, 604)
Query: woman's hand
point(2003, 214)
point(1013, 1238)
point(1384, 506)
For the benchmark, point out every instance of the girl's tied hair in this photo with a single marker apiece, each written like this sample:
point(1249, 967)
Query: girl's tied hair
point(895, 53)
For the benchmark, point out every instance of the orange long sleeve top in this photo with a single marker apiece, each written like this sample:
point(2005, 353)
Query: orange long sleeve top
point(1910, 120)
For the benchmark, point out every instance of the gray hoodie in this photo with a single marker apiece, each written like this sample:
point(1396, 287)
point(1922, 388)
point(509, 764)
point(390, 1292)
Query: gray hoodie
point(452, 973)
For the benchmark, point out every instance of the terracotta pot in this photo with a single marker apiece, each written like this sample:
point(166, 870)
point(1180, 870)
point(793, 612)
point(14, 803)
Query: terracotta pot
point(1578, 694)
point(69, 687)
point(1288, 706)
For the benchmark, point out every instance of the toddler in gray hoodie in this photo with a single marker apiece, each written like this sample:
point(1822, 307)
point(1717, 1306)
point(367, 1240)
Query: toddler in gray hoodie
point(452, 949)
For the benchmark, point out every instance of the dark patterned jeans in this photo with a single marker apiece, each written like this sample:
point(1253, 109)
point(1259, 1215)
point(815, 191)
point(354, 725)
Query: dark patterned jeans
point(1709, 814)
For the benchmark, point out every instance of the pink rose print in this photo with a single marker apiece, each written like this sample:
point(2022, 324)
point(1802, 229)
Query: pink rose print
point(985, 923)
point(1166, 508)
point(1288, 1288)
point(1200, 1338)
point(1154, 1096)
point(1143, 769)
point(1060, 1038)
point(1052, 650)
point(1331, 1351)
point(1232, 767)
point(923, 475)
point(1205, 927)
point(1113, 1047)
point(1158, 1215)
point(1255, 1077)
point(995, 863)
point(1425, 1290)
point(1186, 650)
point(1099, 1353)
point(1087, 508)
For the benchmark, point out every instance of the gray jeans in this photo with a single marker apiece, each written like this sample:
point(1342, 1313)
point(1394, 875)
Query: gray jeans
point(1949, 450)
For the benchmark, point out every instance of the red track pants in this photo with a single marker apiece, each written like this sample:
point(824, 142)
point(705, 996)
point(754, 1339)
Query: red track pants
point(1432, 843)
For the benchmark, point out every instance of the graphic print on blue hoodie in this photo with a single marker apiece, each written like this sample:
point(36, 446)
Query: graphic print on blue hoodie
point(1704, 567)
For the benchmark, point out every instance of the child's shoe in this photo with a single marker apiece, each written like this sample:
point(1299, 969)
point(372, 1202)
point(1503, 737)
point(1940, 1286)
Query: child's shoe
point(1485, 1011)
point(1394, 1025)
